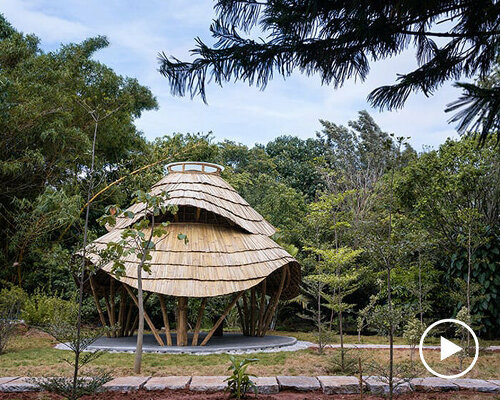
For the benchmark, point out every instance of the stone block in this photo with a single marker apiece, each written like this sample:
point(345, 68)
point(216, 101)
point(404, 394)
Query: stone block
point(167, 382)
point(339, 384)
point(298, 383)
point(22, 384)
point(7, 379)
point(433, 384)
point(477, 385)
point(208, 383)
point(266, 384)
point(126, 383)
point(379, 385)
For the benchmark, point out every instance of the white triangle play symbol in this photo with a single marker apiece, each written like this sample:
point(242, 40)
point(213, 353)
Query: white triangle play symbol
point(448, 348)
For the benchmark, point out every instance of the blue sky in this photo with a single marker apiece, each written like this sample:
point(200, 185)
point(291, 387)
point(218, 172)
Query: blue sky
point(138, 30)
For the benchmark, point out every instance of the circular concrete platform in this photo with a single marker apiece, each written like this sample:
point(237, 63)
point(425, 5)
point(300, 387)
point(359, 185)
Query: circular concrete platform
point(230, 342)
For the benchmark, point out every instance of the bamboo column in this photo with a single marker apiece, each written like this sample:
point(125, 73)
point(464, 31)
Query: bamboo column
point(242, 319)
point(108, 310)
point(168, 335)
point(134, 325)
point(146, 316)
point(274, 302)
point(121, 312)
point(126, 329)
point(262, 305)
point(98, 305)
point(182, 339)
point(112, 316)
point(194, 342)
point(224, 314)
point(253, 304)
point(246, 314)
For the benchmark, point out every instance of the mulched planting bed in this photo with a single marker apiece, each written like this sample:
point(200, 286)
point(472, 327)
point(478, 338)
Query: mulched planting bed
point(188, 395)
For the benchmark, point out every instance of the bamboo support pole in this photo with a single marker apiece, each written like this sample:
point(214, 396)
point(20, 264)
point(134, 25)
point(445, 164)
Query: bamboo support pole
point(98, 304)
point(112, 304)
point(224, 314)
point(253, 301)
point(242, 319)
point(274, 301)
point(262, 305)
point(108, 310)
point(164, 314)
point(134, 325)
point(181, 329)
point(121, 312)
point(246, 313)
point(126, 329)
point(194, 342)
point(146, 316)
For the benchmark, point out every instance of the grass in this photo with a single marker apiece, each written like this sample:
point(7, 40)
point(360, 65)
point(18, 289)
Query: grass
point(33, 354)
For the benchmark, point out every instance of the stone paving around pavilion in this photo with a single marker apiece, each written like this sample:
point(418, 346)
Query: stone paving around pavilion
point(275, 384)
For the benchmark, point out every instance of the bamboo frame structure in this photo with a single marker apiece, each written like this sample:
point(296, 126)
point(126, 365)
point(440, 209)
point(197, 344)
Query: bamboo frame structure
point(146, 317)
point(229, 252)
point(221, 318)
point(201, 310)
point(165, 319)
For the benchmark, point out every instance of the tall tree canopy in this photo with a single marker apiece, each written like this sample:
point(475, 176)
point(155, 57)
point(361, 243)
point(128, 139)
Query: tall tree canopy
point(45, 146)
point(337, 39)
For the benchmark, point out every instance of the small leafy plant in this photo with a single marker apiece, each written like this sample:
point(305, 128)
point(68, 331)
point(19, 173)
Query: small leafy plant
point(239, 383)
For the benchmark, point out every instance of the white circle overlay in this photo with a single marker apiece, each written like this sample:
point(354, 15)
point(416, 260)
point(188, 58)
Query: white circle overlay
point(443, 321)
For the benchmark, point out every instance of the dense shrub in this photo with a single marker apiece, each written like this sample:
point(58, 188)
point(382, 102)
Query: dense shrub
point(11, 302)
point(41, 309)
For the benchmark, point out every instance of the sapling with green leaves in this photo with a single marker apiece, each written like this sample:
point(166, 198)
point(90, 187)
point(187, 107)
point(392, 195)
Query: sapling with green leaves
point(472, 236)
point(314, 291)
point(412, 332)
point(139, 240)
point(336, 272)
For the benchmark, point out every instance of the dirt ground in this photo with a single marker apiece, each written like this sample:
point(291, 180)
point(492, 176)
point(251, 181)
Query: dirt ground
point(187, 395)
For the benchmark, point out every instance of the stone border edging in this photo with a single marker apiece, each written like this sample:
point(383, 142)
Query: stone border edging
point(271, 385)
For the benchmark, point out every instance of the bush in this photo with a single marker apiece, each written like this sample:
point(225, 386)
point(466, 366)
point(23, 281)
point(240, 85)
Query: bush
point(11, 302)
point(41, 310)
point(349, 365)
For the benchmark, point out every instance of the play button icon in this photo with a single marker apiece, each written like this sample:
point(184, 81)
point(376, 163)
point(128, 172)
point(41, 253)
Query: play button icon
point(448, 348)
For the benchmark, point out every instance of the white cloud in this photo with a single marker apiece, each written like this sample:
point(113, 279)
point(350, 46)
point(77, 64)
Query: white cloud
point(26, 17)
point(139, 30)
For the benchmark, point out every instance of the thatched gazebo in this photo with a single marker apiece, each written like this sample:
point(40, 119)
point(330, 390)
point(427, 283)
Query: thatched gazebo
point(229, 252)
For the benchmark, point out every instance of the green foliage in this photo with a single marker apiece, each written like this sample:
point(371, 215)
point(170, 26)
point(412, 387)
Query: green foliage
point(337, 41)
point(239, 383)
point(11, 302)
point(382, 318)
point(66, 332)
point(46, 144)
point(343, 364)
point(41, 310)
point(64, 386)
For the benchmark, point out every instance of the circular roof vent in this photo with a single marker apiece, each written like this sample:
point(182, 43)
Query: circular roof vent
point(194, 167)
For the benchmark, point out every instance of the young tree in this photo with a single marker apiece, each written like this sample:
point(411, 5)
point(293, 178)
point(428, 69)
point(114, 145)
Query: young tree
point(337, 39)
point(335, 271)
point(139, 240)
point(388, 249)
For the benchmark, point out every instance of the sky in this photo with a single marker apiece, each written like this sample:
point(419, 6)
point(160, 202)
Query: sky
point(139, 30)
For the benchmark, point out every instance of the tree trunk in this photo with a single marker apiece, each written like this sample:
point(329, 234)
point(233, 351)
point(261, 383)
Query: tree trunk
point(140, 329)
point(341, 333)
point(182, 339)
point(140, 301)
point(420, 288)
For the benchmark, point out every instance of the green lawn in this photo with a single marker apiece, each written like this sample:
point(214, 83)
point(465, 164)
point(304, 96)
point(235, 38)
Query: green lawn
point(33, 354)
